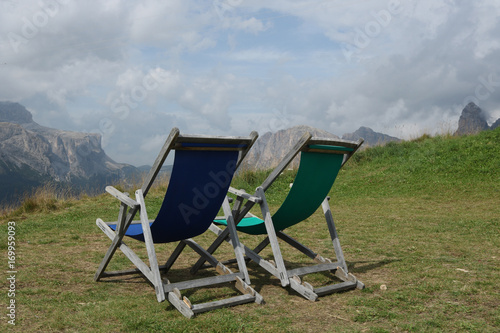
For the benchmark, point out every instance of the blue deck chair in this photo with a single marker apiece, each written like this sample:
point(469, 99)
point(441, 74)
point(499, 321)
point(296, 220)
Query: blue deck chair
point(320, 162)
point(202, 171)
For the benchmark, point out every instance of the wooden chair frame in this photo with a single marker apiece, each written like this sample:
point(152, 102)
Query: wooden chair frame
point(291, 277)
point(163, 287)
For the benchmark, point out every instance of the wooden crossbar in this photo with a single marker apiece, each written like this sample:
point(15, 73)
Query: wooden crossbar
point(321, 291)
point(203, 282)
point(312, 269)
point(237, 300)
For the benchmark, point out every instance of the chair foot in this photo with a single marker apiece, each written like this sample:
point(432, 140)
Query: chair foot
point(309, 292)
point(175, 298)
point(360, 285)
point(348, 277)
point(189, 310)
point(246, 289)
point(303, 288)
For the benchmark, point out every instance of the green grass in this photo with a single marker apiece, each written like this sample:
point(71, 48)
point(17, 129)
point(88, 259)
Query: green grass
point(420, 217)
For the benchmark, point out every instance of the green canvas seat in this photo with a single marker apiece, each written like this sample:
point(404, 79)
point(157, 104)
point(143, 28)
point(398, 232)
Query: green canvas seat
point(314, 179)
point(320, 162)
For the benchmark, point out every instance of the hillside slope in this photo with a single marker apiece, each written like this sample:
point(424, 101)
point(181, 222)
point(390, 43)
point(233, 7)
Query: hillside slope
point(31, 154)
point(437, 165)
point(419, 218)
point(447, 163)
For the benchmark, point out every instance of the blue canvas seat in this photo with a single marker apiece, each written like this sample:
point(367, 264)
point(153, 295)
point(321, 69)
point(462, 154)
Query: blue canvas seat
point(179, 217)
point(202, 172)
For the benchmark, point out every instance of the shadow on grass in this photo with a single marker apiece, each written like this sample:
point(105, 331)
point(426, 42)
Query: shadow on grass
point(366, 266)
point(260, 278)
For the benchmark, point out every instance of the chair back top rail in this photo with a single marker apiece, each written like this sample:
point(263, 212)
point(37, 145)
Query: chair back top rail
point(217, 140)
point(335, 142)
point(175, 141)
point(347, 144)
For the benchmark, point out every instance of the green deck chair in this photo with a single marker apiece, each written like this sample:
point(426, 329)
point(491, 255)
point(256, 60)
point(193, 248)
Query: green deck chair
point(320, 161)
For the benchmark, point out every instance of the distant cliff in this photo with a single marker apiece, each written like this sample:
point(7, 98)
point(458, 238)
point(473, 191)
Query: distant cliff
point(270, 148)
point(31, 154)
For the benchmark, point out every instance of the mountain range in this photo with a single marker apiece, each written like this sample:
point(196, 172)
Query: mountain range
point(270, 148)
point(31, 154)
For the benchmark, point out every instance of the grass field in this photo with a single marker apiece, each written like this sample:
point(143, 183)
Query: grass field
point(421, 219)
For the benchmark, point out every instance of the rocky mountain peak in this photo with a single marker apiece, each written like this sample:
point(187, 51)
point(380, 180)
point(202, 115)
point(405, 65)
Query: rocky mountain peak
point(371, 137)
point(472, 120)
point(11, 112)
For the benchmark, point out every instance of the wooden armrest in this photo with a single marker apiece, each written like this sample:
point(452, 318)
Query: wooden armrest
point(244, 195)
point(122, 197)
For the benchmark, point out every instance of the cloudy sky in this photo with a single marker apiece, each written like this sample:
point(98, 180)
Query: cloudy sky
point(131, 70)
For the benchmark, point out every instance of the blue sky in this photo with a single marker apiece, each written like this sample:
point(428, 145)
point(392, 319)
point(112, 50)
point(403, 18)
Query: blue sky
point(132, 70)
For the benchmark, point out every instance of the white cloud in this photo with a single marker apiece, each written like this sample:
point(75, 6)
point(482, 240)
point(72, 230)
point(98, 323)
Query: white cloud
point(132, 70)
point(259, 55)
point(153, 143)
